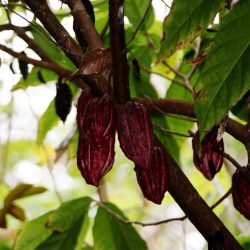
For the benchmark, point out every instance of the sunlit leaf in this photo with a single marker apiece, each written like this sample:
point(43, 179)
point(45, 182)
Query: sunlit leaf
point(111, 234)
point(226, 73)
point(186, 20)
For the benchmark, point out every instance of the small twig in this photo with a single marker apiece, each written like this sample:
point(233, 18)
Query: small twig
point(140, 24)
point(222, 198)
point(143, 224)
point(165, 4)
point(170, 132)
point(104, 30)
point(182, 84)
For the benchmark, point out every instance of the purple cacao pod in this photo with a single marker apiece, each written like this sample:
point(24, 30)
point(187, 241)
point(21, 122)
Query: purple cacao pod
point(83, 99)
point(135, 133)
point(153, 181)
point(98, 121)
point(205, 156)
point(95, 154)
point(241, 192)
point(95, 162)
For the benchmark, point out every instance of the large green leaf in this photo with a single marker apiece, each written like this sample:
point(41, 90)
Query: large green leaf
point(135, 10)
point(111, 234)
point(186, 20)
point(55, 228)
point(226, 73)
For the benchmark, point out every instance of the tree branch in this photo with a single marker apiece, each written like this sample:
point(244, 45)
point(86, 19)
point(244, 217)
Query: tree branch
point(21, 32)
point(41, 10)
point(248, 128)
point(44, 64)
point(84, 21)
point(118, 49)
point(172, 106)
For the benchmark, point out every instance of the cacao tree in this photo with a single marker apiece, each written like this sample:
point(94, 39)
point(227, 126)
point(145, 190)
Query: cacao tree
point(148, 111)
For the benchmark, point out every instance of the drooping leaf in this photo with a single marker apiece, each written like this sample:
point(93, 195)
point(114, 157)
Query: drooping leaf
point(111, 234)
point(22, 190)
point(135, 10)
point(186, 20)
point(226, 73)
point(57, 229)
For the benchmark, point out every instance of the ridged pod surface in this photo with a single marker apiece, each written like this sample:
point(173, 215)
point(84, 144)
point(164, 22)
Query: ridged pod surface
point(206, 157)
point(135, 133)
point(98, 120)
point(95, 162)
point(153, 181)
point(95, 154)
point(241, 193)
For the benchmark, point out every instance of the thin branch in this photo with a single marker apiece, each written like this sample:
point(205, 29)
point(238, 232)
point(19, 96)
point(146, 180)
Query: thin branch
point(170, 132)
point(165, 221)
point(42, 11)
point(178, 107)
point(43, 64)
point(182, 84)
point(84, 21)
point(21, 32)
point(140, 24)
point(104, 29)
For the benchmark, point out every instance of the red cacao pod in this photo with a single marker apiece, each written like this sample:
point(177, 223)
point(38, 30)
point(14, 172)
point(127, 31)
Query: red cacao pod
point(206, 156)
point(153, 181)
point(241, 192)
point(135, 133)
point(98, 120)
point(95, 162)
point(95, 154)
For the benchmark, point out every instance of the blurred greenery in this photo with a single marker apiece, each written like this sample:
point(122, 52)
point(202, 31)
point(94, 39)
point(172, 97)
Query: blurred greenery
point(53, 206)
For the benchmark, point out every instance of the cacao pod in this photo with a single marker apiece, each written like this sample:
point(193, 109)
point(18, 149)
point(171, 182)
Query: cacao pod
point(98, 121)
point(153, 181)
point(95, 154)
point(206, 156)
point(63, 100)
point(95, 162)
point(135, 133)
point(241, 192)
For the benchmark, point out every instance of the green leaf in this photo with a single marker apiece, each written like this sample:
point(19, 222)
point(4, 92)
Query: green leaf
point(186, 20)
point(32, 79)
point(33, 234)
point(44, 40)
point(55, 228)
point(226, 73)
point(111, 234)
point(48, 120)
point(135, 9)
